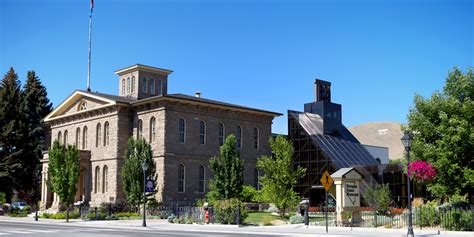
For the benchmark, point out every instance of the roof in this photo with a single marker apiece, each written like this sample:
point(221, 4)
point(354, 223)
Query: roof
point(179, 96)
point(341, 172)
point(110, 97)
point(142, 67)
point(343, 151)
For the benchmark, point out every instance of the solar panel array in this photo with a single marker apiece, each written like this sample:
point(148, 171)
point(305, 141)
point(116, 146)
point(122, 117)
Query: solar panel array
point(343, 153)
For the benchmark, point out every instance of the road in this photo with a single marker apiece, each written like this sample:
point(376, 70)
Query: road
point(8, 229)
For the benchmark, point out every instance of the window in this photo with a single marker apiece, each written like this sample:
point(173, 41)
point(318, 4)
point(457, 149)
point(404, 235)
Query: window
point(152, 86)
point(123, 86)
point(239, 137)
point(182, 130)
point(255, 138)
point(65, 138)
point(159, 87)
point(202, 132)
point(78, 137)
point(84, 138)
point(105, 181)
point(98, 135)
point(140, 129)
point(181, 178)
point(221, 134)
point(144, 81)
point(60, 137)
point(97, 180)
point(256, 175)
point(152, 129)
point(133, 84)
point(106, 133)
point(82, 106)
point(128, 85)
point(202, 179)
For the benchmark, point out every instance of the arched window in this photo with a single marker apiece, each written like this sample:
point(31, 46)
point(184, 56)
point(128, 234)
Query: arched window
point(106, 133)
point(84, 137)
point(181, 178)
point(221, 134)
point(182, 130)
point(152, 86)
point(202, 132)
point(82, 106)
point(255, 138)
point(159, 87)
point(152, 129)
point(98, 135)
point(144, 82)
point(256, 175)
point(133, 84)
point(65, 138)
point(97, 179)
point(128, 85)
point(202, 179)
point(78, 137)
point(60, 137)
point(123, 86)
point(239, 137)
point(139, 129)
point(105, 181)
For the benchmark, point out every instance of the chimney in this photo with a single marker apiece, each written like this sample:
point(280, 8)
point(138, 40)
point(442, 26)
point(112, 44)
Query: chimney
point(198, 94)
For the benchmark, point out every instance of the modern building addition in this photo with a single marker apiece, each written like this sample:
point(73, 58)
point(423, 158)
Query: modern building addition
point(184, 132)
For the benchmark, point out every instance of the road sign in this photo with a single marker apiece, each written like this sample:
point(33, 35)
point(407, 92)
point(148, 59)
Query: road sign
point(149, 186)
point(326, 180)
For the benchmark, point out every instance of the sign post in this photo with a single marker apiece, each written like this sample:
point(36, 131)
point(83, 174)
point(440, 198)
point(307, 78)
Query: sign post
point(327, 182)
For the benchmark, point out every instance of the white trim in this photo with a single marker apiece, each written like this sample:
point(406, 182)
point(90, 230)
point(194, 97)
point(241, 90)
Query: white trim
point(71, 100)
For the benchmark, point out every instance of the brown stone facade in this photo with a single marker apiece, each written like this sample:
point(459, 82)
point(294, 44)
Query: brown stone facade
point(102, 155)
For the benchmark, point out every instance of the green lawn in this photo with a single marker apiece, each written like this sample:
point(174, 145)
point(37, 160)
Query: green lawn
point(259, 218)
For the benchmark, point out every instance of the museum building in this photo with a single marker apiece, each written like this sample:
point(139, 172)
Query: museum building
point(184, 132)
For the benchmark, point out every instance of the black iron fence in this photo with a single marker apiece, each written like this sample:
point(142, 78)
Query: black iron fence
point(439, 218)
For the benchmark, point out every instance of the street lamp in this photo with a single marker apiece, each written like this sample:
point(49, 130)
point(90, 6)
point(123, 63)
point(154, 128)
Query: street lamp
point(406, 140)
point(144, 168)
point(38, 182)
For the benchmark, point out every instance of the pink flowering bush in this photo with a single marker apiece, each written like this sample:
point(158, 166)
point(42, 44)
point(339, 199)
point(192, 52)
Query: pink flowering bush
point(421, 170)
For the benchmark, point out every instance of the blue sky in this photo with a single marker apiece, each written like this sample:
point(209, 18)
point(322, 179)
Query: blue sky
point(263, 54)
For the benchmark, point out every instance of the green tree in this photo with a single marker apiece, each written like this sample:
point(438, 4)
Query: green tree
point(11, 146)
point(280, 177)
point(380, 198)
point(132, 173)
point(35, 106)
point(444, 135)
point(228, 172)
point(63, 170)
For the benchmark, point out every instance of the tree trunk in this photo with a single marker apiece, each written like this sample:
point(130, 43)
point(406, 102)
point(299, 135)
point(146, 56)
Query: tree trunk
point(67, 213)
point(8, 196)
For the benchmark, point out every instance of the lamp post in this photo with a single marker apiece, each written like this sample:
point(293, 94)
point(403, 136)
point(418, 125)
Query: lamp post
point(406, 140)
point(144, 168)
point(38, 182)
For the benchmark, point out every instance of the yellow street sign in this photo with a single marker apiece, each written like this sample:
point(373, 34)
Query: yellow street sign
point(326, 180)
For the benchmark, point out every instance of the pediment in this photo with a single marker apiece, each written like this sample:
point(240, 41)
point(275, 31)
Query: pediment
point(79, 102)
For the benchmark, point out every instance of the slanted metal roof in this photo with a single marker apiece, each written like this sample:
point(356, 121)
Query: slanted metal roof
point(343, 150)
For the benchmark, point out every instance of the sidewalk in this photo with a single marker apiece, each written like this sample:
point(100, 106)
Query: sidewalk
point(292, 230)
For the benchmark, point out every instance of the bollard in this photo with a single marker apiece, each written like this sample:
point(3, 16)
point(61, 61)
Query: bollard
point(109, 207)
point(306, 216)
point(238, 214)
point(96, 214)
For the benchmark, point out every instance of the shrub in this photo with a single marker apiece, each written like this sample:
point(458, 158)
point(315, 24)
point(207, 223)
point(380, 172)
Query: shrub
point(249, 193)
point(296, 219)
point(92, 216)
point(225, 211)
point(457, 219)
point(171, 218)
point(164, 214)
point(127, 214)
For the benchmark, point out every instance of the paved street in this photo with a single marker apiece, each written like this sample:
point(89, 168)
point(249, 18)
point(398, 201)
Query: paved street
point(48, 230)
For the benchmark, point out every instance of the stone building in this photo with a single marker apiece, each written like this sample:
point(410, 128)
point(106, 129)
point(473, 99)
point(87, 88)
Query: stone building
point(184, 132)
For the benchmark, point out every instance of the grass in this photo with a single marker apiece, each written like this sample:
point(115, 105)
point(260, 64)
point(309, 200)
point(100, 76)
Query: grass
point(262, 218)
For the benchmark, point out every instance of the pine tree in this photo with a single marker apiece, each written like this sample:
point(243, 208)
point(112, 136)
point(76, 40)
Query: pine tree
point(228, 172)
point(35, 106)
point(11, 126)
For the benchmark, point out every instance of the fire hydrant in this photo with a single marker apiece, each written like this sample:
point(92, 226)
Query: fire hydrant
point(207, 217)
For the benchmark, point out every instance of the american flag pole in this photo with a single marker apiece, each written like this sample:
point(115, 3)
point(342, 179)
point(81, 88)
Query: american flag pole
point(90, 43)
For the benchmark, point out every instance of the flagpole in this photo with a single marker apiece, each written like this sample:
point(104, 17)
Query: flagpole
point(90, 43)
